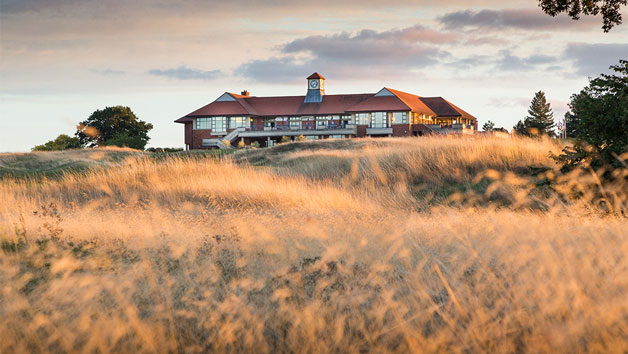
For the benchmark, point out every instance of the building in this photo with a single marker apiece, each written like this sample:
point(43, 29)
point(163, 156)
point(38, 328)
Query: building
point(234, 118)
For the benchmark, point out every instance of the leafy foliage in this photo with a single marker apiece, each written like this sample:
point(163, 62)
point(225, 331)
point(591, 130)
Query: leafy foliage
point(62, 142)
point(124, 140)
point(540, 119)
point(610, 9)
point(599, 119)
point(114, 126)
point(488, 126)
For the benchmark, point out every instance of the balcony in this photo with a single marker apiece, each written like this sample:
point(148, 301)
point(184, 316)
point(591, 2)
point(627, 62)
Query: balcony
point(452, 128)
point(379, 131)
point(284, 130)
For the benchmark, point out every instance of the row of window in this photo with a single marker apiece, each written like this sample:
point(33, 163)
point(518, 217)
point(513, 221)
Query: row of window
point(381, 119)
point(221, 124)
point(373, 120)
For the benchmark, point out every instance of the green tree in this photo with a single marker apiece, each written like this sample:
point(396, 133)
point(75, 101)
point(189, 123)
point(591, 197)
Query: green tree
point(571, 122)
point(600, 116)
point(540, 119)
point(488, 126)
point(113, 126)
point(610, 9)
point(62, 142)
point(520, 128)
point(124, 140)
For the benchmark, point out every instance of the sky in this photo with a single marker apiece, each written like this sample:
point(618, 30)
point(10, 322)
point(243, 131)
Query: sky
point(60, 60)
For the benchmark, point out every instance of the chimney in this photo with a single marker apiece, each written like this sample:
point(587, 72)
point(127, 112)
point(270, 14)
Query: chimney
point(245, 93)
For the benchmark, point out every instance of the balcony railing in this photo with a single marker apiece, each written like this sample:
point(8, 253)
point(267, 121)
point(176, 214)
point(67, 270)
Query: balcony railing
point(301, 127)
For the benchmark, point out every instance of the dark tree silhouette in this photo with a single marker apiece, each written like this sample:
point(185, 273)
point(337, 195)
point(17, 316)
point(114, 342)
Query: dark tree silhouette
point(599, 114)
point(610, 9)
point(488, 126)
point(540, 119)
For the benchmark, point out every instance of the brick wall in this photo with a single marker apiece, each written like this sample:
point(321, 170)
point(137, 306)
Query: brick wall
point(401, 130)
point(198, 136)
point(362, 131)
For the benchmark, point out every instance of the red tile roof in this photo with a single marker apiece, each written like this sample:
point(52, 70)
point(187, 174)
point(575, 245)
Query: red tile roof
point(400, 101)
point(331, 105)
point(444, 108)
point(315, 76)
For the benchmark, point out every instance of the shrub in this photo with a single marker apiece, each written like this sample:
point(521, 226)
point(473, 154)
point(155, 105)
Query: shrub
point(285, 139)
point(241, 144)
point(301, 138)
point(159, 149)
point(62, 142)
point(124, 140)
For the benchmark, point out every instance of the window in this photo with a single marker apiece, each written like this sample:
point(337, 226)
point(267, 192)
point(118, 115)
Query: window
point(363, 118)
point(400, 118)
point(379, 120)
point(311, 137)
point(220, 124)
point(238, 122)
point(336, 136)
point(295, 121)
point(203, 123)
point(322, 121)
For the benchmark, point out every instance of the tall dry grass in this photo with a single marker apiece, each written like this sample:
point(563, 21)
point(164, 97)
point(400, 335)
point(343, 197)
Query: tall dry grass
point(188, 255)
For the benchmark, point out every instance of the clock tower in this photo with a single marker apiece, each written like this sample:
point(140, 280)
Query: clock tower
point(315, 88)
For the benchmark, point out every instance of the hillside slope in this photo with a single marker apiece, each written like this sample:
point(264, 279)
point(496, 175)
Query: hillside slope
point(55, 163)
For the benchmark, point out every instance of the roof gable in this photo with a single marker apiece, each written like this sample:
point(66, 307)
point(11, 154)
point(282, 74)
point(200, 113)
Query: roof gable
point(388, 99)
point(226, 97)
point(444, 108)
point(315, 76)
point(384, 92)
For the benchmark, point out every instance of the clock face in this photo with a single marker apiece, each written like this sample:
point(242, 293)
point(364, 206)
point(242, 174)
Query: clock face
point(313, 84)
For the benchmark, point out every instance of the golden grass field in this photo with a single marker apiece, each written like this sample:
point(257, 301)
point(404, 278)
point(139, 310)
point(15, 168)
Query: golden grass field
point(390, 245)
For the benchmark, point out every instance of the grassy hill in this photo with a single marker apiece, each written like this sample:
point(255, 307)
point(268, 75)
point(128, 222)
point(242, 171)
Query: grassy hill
point(54, 164)
point(314, 247)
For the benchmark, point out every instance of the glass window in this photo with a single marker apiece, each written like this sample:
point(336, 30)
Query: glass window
point(238, 122)
point(379, 120)
point(295, 121)
point(220, 124)
point(203, 123)
point(312, 137)
point(322, 121)
point(363, 118)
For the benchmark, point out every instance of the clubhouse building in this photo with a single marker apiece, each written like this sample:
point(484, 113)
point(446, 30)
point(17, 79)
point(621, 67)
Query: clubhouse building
point(234, 118)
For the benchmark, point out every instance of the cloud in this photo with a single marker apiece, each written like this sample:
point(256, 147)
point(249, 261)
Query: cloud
point(108, 72)
point(528, 19)
point(408, 46)
point(509, 62)
point(339, 54)
point(594, 59)
point(185, 73)
point(276, 70)
point(505, 61)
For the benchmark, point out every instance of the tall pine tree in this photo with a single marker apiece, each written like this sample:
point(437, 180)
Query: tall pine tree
point(540, 119)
